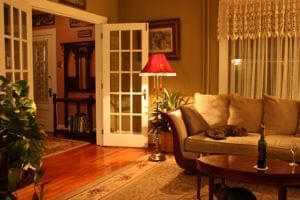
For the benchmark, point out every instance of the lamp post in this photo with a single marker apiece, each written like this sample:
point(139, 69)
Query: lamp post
point(157, 67)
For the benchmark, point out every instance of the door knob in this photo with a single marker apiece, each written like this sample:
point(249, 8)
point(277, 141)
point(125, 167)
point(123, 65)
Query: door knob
point(145, 94)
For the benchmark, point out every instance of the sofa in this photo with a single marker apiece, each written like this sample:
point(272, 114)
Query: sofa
point(280, 117)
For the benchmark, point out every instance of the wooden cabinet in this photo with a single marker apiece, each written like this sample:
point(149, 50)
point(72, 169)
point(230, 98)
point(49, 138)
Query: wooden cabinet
point(78, 67)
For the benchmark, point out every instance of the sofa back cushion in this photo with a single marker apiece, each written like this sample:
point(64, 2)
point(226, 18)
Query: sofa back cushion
point(213, 108)
point(280, 115)
point(193, 120)
point(246, 112)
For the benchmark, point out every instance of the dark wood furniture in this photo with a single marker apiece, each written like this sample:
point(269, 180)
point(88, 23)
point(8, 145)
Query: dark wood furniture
point(69, 132)
point(241, 168)
point(78, 74)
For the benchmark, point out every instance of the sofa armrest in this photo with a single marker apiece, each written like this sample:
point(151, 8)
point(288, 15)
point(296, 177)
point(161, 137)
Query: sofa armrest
point(179, 135)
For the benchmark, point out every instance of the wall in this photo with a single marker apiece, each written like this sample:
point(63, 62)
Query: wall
point(191, 67)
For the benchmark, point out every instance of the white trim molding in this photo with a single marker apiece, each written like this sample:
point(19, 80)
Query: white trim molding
point(67, 11)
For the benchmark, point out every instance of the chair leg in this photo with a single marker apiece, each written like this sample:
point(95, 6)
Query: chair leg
point(198, 185)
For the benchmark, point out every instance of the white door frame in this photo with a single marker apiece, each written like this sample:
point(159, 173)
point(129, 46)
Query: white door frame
point(67, 11)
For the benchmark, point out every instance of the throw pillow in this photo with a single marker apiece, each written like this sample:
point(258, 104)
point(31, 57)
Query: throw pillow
point(213, 108)
point(194, 122)
point(246, 112)
point(280, 115)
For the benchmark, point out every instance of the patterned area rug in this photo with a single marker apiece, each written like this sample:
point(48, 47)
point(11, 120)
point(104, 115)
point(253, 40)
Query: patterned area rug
point(56, 146)
point(159, 181)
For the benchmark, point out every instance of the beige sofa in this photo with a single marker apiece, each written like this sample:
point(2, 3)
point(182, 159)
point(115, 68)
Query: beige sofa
point(279, 116)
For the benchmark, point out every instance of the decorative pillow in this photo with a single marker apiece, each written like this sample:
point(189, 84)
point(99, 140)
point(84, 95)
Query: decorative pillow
point(194, 122)
point(280, 115)
point(213, 108)
point(246, 112)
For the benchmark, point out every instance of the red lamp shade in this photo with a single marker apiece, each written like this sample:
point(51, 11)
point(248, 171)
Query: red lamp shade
point(158, 65)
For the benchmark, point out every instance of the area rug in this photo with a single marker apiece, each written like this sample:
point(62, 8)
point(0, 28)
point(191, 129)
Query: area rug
point(56, 146)
point(159, 181)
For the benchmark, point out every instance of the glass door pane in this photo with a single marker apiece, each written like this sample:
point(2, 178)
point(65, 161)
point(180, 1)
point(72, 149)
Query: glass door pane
point(40, 68)
point(7, 20)
point(125, 82)
point(15, 15)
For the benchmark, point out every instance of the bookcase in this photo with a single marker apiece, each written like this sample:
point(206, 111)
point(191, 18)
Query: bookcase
point(78, 126)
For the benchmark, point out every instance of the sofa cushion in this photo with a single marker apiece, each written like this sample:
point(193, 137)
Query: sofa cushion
point(194, 122)
point(278, 146)
point(246, 112)
point(246, 145)
point(280, 115)
point(213, 108)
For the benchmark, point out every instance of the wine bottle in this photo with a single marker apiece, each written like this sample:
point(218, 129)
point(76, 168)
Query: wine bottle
point(262, 150)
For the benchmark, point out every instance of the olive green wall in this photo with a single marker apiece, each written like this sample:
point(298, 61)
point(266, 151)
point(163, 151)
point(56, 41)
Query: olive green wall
point(190, 66)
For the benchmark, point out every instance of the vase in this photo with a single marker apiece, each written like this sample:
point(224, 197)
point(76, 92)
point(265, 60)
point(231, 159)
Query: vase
point(166, 141)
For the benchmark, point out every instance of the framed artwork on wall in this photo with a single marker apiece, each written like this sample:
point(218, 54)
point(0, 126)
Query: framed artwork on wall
point(85, 33)
point(164, 37)
point(75, 3)
point(74, 23)
point(43, 20)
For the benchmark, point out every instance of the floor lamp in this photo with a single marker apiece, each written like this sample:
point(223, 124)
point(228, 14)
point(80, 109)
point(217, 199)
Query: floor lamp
point(157, 67)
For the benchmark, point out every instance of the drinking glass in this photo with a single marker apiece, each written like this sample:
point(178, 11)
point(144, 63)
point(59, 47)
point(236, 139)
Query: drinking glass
point(293, 149)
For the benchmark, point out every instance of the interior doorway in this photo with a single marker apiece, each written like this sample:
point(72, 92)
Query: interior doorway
point(44, 75)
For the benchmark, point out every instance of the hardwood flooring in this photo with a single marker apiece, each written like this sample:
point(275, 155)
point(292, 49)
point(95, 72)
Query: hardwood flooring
point(68, 171)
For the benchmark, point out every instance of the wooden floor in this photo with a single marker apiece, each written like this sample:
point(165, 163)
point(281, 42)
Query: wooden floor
point(70, 170)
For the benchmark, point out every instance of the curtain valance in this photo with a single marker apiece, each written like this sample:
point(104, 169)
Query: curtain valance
point(243, 19)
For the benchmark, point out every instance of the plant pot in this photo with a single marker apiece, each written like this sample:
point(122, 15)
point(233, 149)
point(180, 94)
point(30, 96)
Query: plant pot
point(166, 141)
point(3, 173)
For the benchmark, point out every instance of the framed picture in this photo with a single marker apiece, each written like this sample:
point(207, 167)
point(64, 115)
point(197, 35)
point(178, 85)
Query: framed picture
point(43, 20)
point(75, 3)
point(164, 37)
point(74, 23)
point(85, 33)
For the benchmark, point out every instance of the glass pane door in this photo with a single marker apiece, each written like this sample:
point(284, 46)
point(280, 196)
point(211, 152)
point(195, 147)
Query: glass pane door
point(15, 41)
point(126, 55)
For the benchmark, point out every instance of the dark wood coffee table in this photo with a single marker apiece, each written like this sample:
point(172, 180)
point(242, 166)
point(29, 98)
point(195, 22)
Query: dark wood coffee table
point(240, 168)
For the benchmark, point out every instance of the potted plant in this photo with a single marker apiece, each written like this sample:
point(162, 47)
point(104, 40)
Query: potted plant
point(21, 140)
point(168, 101)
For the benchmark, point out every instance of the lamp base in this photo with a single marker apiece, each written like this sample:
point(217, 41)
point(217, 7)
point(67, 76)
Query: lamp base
point(157, 156)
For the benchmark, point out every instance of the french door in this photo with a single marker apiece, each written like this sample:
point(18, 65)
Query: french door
point(16, 41)
point(125, 93)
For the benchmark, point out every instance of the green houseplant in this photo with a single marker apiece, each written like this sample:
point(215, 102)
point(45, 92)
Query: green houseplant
point(21, 140)
point(168, 101)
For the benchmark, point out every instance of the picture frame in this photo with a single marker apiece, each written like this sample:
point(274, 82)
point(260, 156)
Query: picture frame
point(43, 20)
point(164, 37)
point(74, 23)
point(74, 3)
point(84, 33)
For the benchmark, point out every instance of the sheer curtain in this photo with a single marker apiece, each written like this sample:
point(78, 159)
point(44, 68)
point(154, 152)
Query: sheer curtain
point(263, 44)
point(266, 66)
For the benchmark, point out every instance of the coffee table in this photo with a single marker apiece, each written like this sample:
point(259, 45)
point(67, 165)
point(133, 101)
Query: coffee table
point(240, 168)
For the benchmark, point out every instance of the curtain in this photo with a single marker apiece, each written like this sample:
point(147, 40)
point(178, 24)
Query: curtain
point(263, 40)
point(242, 19)
point(267, 66)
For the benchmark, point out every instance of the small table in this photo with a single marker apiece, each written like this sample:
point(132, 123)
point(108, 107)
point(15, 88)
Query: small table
point(240, 168)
